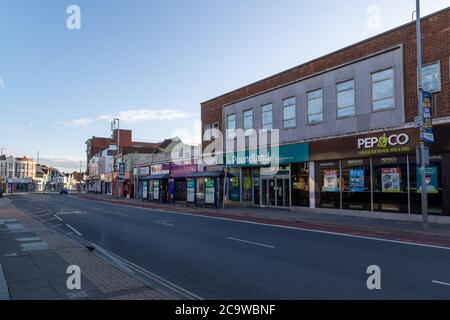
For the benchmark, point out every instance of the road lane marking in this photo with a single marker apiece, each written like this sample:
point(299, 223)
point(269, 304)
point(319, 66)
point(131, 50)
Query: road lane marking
point(251, 242)
point(74, 230)
point(59, 218)
point(165, 223)
point(273, 225)
point(442, 283)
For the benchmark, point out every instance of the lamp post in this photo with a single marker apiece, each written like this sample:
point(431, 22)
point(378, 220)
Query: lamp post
point(424, 195)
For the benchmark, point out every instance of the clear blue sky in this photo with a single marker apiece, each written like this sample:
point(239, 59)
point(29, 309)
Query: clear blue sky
point(153, 62)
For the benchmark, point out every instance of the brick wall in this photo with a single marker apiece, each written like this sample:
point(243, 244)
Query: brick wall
point(435, 43)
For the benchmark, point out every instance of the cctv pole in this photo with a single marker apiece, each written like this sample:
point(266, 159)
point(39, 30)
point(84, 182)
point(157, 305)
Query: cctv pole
point(424, 195)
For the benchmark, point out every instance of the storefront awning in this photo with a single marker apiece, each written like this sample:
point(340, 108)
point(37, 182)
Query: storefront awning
point(206, 174)
point(155, 177)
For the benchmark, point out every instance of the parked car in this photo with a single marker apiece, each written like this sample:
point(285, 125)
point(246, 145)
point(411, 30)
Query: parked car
point(64, 191)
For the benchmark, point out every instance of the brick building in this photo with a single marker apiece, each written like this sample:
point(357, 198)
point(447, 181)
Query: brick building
point(328, 108)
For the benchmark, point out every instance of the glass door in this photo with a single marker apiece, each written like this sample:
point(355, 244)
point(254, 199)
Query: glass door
point(264, 193)
point(272, 193)
point(280, 193)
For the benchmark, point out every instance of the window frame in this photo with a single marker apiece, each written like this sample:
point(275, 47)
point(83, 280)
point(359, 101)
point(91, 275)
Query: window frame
point(354, 99)
point(231, 133)
point(307, 106)
point(248, 131)
point(207, 130)
point(271, 116)
point(283, 107)
point(438, 62)
point(215, 127)
point(393, 89)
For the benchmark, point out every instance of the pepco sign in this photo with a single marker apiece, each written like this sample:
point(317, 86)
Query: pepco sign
point(383, 141)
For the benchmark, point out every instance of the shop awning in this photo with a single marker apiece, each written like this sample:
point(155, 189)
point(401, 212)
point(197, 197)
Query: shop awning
point(155, 177)
point(206, 174)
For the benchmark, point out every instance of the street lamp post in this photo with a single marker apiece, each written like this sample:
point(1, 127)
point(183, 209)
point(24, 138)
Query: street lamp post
point(424, 195)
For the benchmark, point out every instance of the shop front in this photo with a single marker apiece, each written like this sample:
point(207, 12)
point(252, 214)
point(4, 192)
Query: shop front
point(205, 188)
point(179, 181)
point(249, 181)
point(379, 173)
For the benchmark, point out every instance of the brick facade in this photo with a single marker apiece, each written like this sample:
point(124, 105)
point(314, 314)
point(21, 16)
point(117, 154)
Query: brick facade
point(435, 43)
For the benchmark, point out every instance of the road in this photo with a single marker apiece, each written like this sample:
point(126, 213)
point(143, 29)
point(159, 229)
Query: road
point(224, 259)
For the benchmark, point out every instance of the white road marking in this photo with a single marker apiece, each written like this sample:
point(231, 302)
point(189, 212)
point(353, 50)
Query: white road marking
point(165, 223)
point(440, 282)
point(74, 230)
point(58, 218)
point(273, 225)
point(250, 242)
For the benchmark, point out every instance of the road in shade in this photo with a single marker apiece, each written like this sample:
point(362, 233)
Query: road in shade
point(224, 259)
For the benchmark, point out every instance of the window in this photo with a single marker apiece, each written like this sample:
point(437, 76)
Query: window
point(231, 125)
point(431, 77)
point(248, 121)
point(215, 130)
point(383, 89)
point(315, 106)
point(345, 94)
point(289, 117)
point(207, 133)
point(267, 117)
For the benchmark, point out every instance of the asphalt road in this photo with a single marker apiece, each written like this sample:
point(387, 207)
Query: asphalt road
point(222, 259)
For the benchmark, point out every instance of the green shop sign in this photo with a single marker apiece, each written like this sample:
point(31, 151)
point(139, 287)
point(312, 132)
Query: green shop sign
point(285, 154)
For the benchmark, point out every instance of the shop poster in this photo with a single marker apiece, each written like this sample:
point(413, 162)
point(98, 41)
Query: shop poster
point(390, 180)
point(156, 190)
point(144, 190)
point(431, 180)
point(357, 183)
point(191, 190)
point(209, 191)
point(330, 181)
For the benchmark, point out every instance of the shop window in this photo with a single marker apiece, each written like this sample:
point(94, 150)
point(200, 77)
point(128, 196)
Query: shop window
point(200, 190)
point(234, 191)
point(329, 184)
point(433, 182)
point(431, 77)
point(390, 184)
point(300, 184)
point(315, 106)
point(246, 185)
point(345, 94)
point(383, 89)
point(356, 186)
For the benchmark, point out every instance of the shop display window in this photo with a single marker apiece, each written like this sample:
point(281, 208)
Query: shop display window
point(356, 184)
point(390, 184)
point(300, 184)
point(329, 184)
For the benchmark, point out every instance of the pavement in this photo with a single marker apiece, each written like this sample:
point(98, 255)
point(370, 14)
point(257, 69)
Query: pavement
point(34, 259)
point(208, 256)
point(436, 234)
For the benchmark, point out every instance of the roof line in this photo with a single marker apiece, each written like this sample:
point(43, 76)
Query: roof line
point(330, 54)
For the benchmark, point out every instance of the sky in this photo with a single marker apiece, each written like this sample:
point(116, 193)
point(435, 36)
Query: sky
point(151, 63)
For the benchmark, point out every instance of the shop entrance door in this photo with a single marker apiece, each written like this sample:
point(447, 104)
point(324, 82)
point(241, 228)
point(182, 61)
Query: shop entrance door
point(275, 192)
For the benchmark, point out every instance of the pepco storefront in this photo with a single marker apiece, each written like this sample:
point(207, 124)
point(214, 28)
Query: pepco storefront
point(378, 172)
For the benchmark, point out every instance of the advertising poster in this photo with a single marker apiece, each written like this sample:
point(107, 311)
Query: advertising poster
point(428, 135)
point(357, 183)
point(390, 180)
point(330, 183)
point(144, 189)
point(156, 190)
point(191, 190)
point(431, 180)
point(210, 192)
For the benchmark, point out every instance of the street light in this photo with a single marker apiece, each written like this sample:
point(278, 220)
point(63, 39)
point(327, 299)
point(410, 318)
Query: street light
point(424, 195)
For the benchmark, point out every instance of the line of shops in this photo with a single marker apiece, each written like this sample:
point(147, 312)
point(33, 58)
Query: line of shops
point(180, 184)
point(372, 173)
